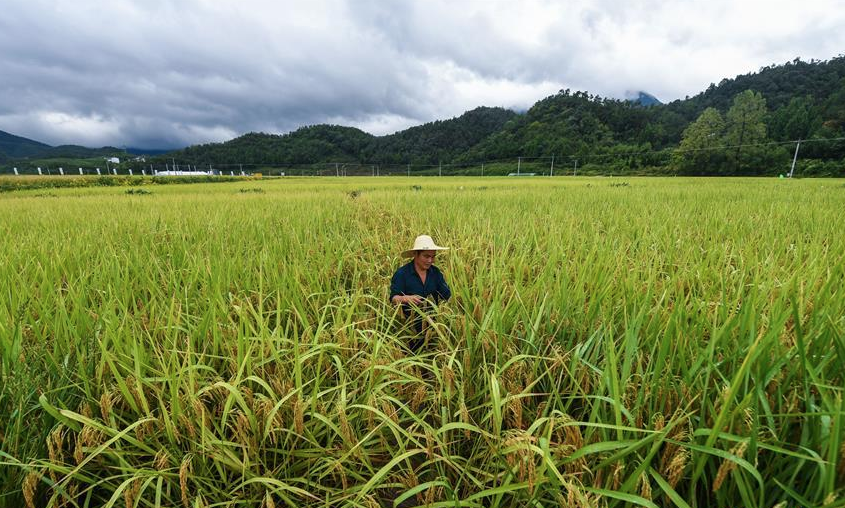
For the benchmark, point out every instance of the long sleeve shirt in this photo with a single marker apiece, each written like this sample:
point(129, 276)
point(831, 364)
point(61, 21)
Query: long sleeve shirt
point(406, 281)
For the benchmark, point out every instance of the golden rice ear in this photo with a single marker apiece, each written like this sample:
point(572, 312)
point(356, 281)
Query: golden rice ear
point(30, 488)
point(184, 471)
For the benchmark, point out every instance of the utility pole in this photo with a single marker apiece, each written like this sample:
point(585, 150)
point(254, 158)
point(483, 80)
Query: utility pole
point(518, 164)
point(575, 169)
point(409, 169)
point(336, 170)
point(482, 169)
point(552, 169)
point(440, 168)
point(794, 158)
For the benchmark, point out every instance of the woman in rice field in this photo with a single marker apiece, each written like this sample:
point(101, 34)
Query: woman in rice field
point(417, 283)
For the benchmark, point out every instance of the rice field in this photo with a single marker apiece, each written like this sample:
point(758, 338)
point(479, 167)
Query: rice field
point(610, 342)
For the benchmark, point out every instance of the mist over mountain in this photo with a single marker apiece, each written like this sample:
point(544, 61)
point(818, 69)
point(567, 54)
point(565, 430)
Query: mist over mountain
point(642, 98)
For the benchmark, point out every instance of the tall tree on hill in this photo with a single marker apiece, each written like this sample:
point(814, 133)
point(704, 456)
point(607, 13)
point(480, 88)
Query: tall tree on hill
point(794, 121)
point(833, 126)
point(699, 152)
point(745, 131)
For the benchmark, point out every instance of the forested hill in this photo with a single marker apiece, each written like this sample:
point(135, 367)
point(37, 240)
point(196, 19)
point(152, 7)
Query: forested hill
point(423, 144)
point(18, 148)
point(15, 146)
point(441, 140)
point(307, 144)
point(797, 100)
point(779, 85)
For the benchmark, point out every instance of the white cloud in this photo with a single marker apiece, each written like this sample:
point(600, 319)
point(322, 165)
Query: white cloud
point(376, 124)
point(83, 130)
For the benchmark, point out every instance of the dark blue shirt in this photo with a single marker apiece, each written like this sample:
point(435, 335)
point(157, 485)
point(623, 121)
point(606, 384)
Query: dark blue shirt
point(406, 281)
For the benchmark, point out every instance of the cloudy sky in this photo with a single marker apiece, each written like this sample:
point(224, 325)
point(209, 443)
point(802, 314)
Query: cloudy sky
point(168, 73)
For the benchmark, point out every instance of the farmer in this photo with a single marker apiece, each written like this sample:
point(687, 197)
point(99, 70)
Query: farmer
point(417, 283)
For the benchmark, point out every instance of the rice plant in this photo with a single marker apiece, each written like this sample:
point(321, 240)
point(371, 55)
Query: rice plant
point(676, 342)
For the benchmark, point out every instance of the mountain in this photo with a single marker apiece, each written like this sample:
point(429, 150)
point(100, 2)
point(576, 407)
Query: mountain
point(314, 143)
point(77, 152)
point(430, 143)
point(642, 98)
point(16, 147)
point(779, 84)
point(442, 140)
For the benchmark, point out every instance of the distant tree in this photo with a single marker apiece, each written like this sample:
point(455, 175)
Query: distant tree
point(745, 129)
point(831, 126)
point(699, 152)
point(796, 120)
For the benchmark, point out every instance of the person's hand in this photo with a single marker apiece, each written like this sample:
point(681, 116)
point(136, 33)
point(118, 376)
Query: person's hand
point(413, 299)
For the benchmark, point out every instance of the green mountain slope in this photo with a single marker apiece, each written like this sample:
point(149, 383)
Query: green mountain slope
point(428, 143)
point(315, 143)
point(17, 147)
point(801, 100)
point(14, 147)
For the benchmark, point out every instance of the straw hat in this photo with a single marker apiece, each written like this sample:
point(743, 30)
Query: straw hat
point(422, 242)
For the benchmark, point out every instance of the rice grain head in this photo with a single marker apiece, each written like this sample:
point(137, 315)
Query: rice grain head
point(162, 460)
point(675, 468)
point(130, 495)
point(728, 465)
point(268, 500)
point(30, 488)
point(106, 404)
point(449, 378)
point(419, 396)
point(645, 487)
point(184, 471)
point(618, 469)
point(515, 411)
point(465, 418)
point(299, 416)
